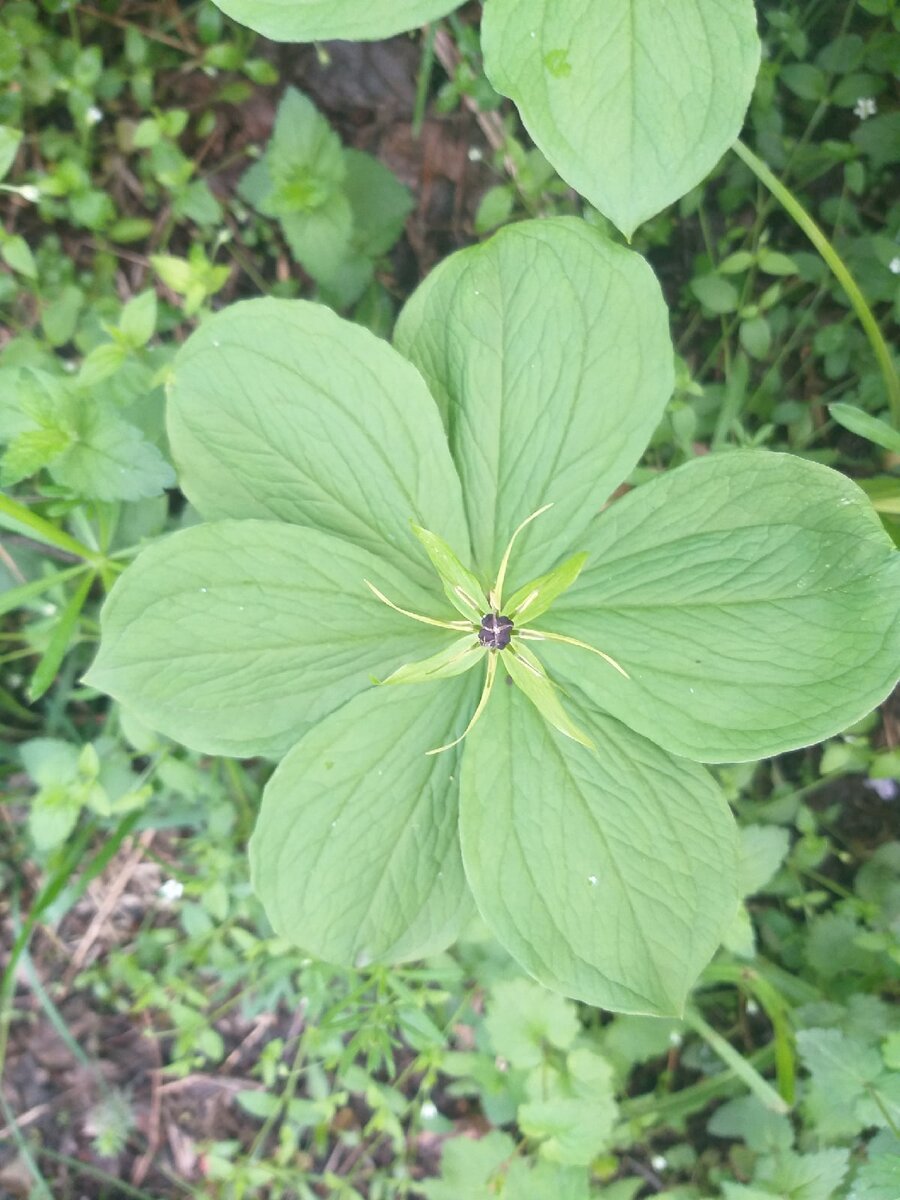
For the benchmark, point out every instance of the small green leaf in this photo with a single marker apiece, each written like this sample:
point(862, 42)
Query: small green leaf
point(610, 877)
point(523, 1019)
point(533, 600)
point(30, 451)
point(355, 855)
point(866, 426)
point(527, 673)
point(463, 590)
point(577, 1124)
point(634, 103)
point(10, 140)
point(138, 319)
point(460, 656)
point(715, 293)
point(16, 253)
point(326, 20)
point(234, 637)
point(379, 201)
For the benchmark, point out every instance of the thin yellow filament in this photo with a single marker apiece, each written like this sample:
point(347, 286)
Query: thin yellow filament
point(455, 625)
point(496, 596)
point(535, 635)
point(482, 704)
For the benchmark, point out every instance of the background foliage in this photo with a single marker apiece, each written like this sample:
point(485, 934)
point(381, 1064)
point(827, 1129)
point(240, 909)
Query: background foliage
point(156, 1038)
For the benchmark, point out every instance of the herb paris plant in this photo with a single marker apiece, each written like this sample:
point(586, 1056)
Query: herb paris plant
point(750, 600)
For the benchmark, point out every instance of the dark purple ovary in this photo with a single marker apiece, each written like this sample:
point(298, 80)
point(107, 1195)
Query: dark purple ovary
point(495, 631)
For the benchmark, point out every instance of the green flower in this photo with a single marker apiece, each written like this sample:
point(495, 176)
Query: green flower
point(739, 606)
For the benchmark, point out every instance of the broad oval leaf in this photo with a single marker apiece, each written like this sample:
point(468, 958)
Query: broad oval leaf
point(753, 599)
point(632, 101)
point(548, 351)
point(355, 855)
point(324, 20)
point(280, 409)
point(609, 876)
point(233, 637)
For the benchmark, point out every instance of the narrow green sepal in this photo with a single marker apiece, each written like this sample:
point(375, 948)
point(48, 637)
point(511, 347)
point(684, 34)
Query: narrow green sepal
point(533, 600)
point(527, 673)
point(460, 656)
point(463, 590)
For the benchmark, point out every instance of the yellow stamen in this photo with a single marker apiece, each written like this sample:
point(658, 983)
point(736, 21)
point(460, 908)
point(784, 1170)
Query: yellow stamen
point(535, 635)
point(464, 625)
point(497, 595)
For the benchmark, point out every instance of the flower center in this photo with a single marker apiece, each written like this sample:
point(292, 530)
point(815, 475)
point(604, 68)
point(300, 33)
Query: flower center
point(495, 631)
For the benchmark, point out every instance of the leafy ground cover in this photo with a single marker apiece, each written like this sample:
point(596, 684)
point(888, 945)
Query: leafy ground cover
point(156, 1039)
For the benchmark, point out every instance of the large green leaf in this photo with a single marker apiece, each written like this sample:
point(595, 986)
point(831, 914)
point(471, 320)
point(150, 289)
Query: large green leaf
point(752, 598)
point(632, 101)
point(323, 20)
point(278, 408)
point(610, 876)
point(233, 637)
point(356, 851)
point(548, 351)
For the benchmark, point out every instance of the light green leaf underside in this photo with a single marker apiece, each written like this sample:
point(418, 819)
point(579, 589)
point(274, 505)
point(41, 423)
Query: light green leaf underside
point(356, 851)
point(610, 876)
point(233, 637)
point(752, 598)
point(632, 101)
point(324, 20)
point(280, 409)
point(548, 351)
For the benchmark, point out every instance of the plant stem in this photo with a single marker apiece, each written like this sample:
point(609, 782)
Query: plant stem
point(763, 1091)
point(20, 519)
point(838, 267)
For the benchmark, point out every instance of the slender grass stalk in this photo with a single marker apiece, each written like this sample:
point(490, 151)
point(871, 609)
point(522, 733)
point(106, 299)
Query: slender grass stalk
point(838, 267)
point(745, 1071)
point(20, 519)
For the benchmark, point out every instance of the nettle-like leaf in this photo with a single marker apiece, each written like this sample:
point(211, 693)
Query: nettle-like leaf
point(481, 684)
point(632, 101)
point(324, 20)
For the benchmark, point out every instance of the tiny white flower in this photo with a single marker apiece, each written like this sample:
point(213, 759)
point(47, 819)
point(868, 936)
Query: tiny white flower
point(475, 154)
point(865, 107)
point(171, 890)
point(752, 1008)
point(29, 192)
point(659, 1162)
point(894, 265)
point(429, 1110)
point(675, 1038)
point(93, 115)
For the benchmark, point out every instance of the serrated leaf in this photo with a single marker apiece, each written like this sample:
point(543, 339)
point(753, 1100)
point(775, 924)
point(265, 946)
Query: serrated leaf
point(111, 459)
point(275, 404)
point(842, 1069)
point(805, 1176)
point(467, 1167)
point(30, 451)
point(320, 240)
point(355, 855)
point(879, 1178)
point(610, 877)
point(324, 20)
point(576, 1125)
point(379, 201)
point(457, 658)
point(532, 600)
point(305, 159)
point(634, 102)
point(234, 637)
point(463, 590)
point(548, 352)
point(523, 1019)
point(752, 598)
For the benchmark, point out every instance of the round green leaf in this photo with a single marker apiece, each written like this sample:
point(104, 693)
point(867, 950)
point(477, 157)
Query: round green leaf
point(356, 851)
point(610, 876)
point(324, 20)
point(632, 101)
point(548, 351)
point(233, 637)
point(280, 409)
point(752, 598)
